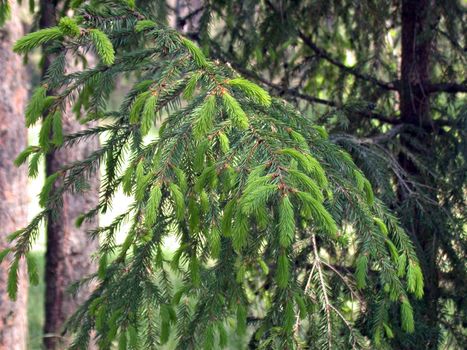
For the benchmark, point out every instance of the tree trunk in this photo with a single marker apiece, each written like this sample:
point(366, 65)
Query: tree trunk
point(69, 249)
point(13, 181)
point(415, 62)
point(417, 39)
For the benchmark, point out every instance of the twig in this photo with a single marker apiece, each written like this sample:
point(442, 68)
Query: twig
point(323, 287)
point(307, 287)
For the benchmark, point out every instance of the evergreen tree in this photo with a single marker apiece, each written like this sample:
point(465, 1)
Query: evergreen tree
point(387, 79)
point(280, 233)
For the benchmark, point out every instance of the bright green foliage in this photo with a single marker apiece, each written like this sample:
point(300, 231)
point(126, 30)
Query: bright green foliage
point(388, 330)
point(36, 39)
point(204, 117)
point(415, 279)
point(407, 135)
point(308, 185)
point(149, 114)
point(215, 242)
point(309, 164)
point(179, 201)
point(103, 46)
point(153, 205)
point(223, 142)
point(36, 105)
point(322, 131)
point(360, 179)
point(145, 25)
point(369, 192)
point(235, 111)
point(313, 208)
point(69, 27)
point(296, 136)
point(239, 232)
point(382, 226)
point(191, 85)
point(361, 271)
point(254, 194)
point(195, 52)
point(252, 90)
point(392, 250)
point(407, 317)
point(286, 222)
point(138, 106)
point(141, 181)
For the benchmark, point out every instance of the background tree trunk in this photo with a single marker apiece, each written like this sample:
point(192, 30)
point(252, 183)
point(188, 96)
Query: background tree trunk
point(418, 24)
point(69, 249)
point(13, 181)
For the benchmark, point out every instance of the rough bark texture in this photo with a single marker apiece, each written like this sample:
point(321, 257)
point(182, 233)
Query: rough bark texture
point(13, 182)
point(69, 249)
point(417, 40)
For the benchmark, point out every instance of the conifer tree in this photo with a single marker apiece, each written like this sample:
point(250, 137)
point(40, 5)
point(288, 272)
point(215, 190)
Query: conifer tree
point(387, 79)
point(269, 214)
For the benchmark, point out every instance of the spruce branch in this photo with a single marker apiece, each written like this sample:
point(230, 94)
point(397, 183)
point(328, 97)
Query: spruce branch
point(237, 176)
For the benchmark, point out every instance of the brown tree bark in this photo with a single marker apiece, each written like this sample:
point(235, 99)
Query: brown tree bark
point(69, 249)
point(418, 24)
point(13, 181)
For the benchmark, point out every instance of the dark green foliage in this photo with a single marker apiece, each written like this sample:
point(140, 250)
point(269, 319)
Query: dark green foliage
point(12, 284)
point(253, 191)
point(32, 270)
point(23, 156)
point(341, 62)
